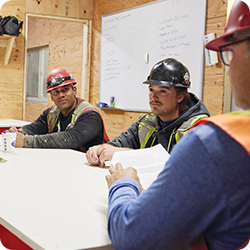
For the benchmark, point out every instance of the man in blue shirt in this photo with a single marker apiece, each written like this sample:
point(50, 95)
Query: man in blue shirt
point(203, 193)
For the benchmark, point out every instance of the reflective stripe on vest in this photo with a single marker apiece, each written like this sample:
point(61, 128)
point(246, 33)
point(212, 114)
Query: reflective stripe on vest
point(54, 112)
point(52, 118)
point(183, 129)
point(235, 124)
point(147, 128)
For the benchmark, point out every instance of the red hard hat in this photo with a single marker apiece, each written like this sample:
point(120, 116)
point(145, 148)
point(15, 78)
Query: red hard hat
point(239, 20)
point(58, 78)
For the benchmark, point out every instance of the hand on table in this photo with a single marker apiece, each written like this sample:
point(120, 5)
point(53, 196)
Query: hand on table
point(19, 140)
point(14, 129)
point(97, 155)
point(119, 172)
point(19, 136)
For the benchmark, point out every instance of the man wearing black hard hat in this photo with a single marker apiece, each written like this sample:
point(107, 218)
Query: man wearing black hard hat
point(71, 123)
point(173, 111)
point(201, 200)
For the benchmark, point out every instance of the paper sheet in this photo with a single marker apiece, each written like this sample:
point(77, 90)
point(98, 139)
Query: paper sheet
point(148, 162)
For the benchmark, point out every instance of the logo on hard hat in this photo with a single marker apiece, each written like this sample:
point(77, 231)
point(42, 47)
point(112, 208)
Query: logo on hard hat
point(186, 77)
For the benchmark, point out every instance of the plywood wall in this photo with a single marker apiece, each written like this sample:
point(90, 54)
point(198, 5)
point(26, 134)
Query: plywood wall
point(65, 8)
point(12, 74)
point(11, 80)
point(65, 41)
point(213, 92)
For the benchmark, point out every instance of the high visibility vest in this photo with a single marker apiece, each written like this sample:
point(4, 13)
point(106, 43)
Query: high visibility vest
point(237, 126)
point(147, 127)
point(82, 106)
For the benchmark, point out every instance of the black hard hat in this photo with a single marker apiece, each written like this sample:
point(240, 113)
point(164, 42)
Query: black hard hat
point(169, 73)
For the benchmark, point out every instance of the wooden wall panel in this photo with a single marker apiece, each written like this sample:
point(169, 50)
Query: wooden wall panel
point(33, 110)
point(11, 80)
point(216, 8)
point(214, 75)
point(64, 8)
point(65, 51)
point(117, 122)
point(10, 98)
point(213, 99)
point(12, 74)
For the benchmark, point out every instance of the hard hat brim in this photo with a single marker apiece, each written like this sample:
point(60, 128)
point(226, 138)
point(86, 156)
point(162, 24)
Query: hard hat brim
point(223, 40)
point(60, 85)
point(166, 84)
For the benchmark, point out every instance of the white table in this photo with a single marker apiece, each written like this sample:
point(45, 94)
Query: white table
point(12, 122)
point(53, 199)
point(6, 123)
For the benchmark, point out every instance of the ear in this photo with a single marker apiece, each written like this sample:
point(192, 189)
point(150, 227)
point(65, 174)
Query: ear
point(51, 96)
point(75, 90)
point(180, 97)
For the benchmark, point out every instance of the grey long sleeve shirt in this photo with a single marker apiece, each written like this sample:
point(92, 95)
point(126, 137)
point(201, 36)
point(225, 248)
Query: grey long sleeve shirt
point(87, 132)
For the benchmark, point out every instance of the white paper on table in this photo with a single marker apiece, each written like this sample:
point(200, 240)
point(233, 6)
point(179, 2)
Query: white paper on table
point(148, 162)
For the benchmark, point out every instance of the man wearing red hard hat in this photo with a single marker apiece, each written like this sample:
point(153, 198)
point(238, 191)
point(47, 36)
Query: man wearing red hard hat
point(201, 200)
point(72, 123)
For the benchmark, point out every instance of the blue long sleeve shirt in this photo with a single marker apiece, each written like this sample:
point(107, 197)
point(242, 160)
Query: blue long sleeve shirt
point(204, 189)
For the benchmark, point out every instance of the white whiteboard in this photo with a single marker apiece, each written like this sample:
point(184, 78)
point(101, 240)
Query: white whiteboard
point(161, 29)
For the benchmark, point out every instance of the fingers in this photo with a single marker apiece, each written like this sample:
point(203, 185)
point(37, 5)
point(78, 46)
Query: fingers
point(111, 170)
point(108, 179)
point(105, 154)
point(96, 156)
point(118, 166)
point(20, 130)
point(13, 129)
point(102, 156)
point(92, 156)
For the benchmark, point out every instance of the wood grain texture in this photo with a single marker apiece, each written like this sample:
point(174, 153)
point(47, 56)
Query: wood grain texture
point(216, 8)
point(64, 37)
point(213, 76)
point(11, 81)
point(65, 8)
point(214, 99)
point(65, 41)
point(34, 110)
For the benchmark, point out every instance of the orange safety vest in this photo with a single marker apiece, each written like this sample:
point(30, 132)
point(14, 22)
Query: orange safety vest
point(236, 125)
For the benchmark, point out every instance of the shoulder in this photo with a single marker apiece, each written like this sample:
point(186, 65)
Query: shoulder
point(210, 140)
point(90, 115)
point(206, 151)
point(45, 112)
point(85, 108)
point(148, 116)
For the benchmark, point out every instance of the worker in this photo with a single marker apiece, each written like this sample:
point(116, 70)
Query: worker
point(173, 111)
point(71, 123)
point(201, 200)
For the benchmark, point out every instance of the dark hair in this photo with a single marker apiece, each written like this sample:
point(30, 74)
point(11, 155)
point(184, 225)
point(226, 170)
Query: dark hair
point(183, 105)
